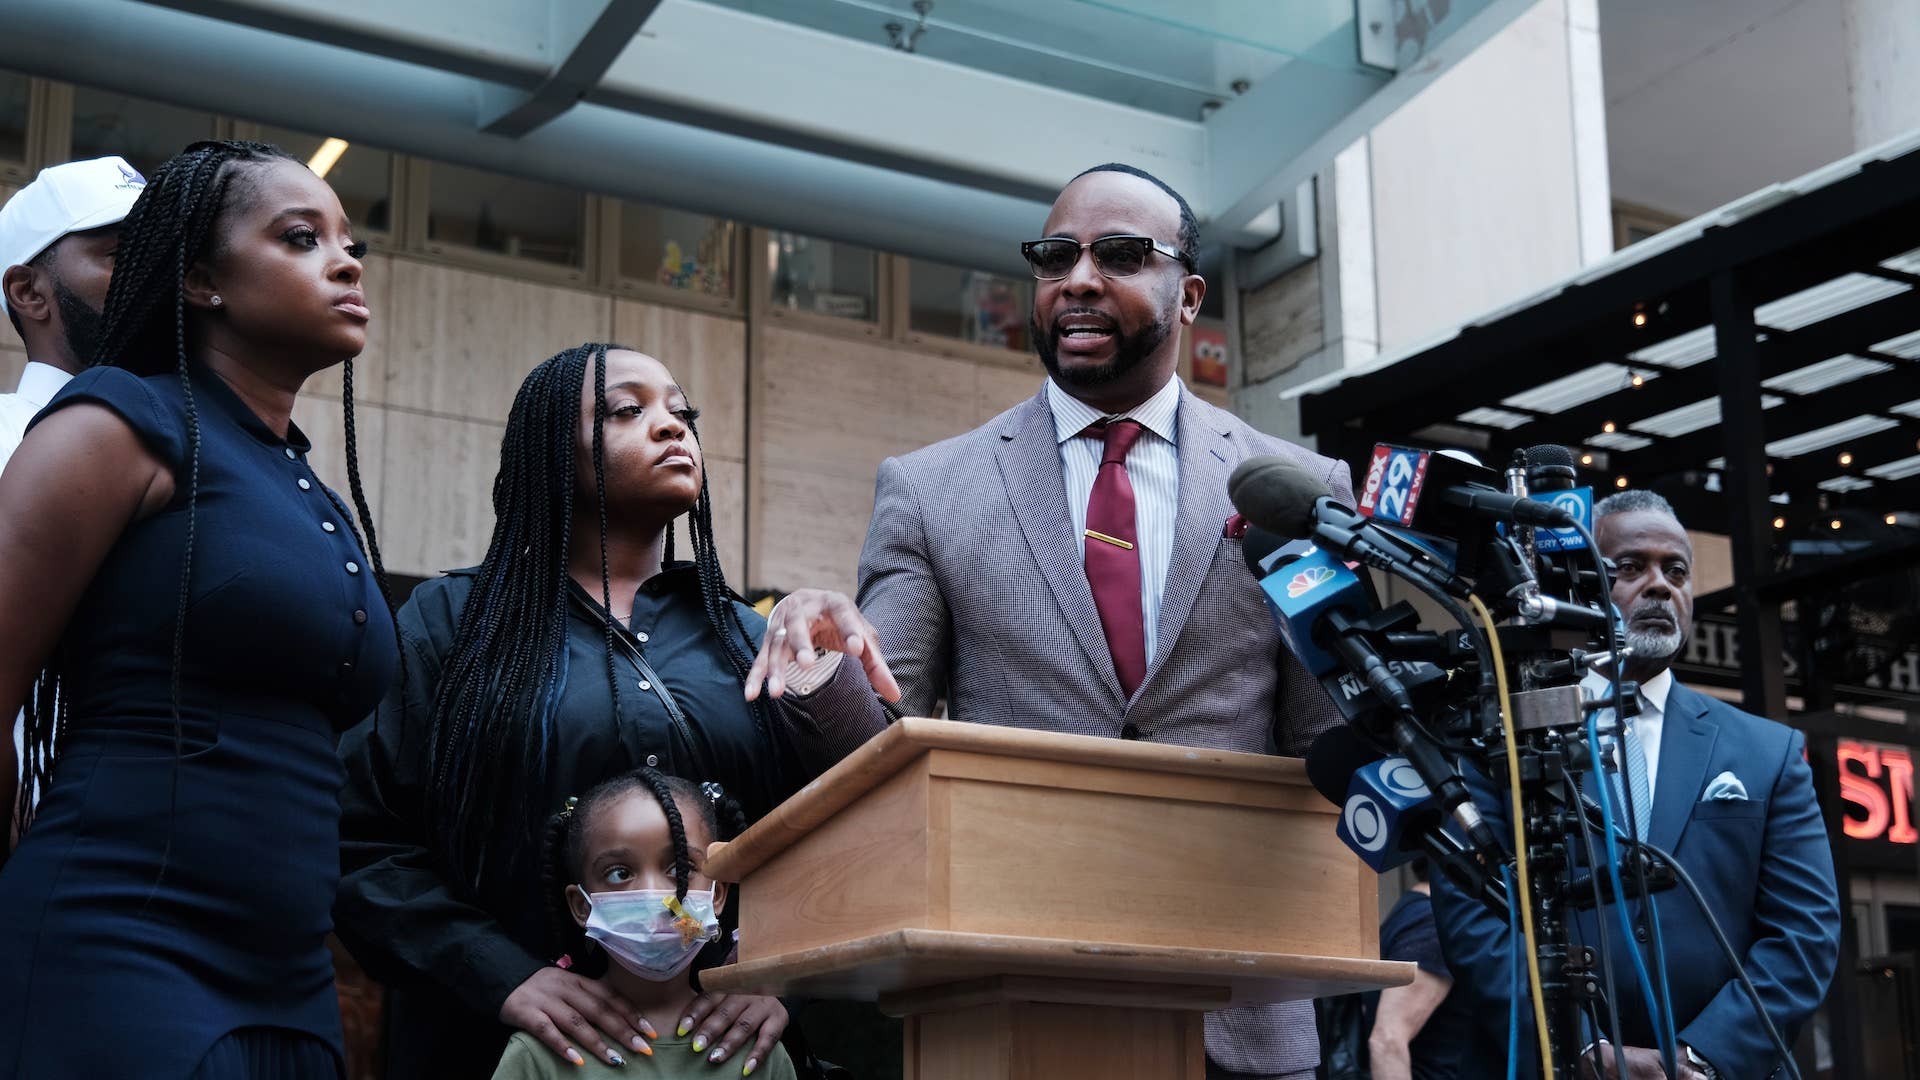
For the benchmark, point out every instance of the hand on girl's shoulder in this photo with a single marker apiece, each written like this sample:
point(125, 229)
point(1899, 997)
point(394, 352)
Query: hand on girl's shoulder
point(527, 1058)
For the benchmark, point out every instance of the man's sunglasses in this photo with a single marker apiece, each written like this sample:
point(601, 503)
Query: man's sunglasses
point(1114, 256)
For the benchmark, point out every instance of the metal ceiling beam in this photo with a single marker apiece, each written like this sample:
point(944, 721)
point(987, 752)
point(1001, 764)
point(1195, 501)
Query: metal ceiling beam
point(1792, 244)
point(754, 77)
point(1802, 475)
point(1862, 397)
point(599, 30)
point(225, 68)
point(1823, 340)
point(498, 40)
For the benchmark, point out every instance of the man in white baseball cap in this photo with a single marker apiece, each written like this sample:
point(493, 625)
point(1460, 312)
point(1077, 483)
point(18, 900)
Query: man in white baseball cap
point(57, 239)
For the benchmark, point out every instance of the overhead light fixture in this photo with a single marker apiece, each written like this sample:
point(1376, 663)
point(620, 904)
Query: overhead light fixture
point(1607, 427)
point(1619, 481)
point(1846, 458)
point(1586, 459)
point(1779, 523)
point(1639, 318)
point(1834, 524)
point(1637, 380)
point(325, 158)
point(1892, 519)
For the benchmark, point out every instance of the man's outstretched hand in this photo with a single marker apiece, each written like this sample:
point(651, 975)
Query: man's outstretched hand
point(800, 628)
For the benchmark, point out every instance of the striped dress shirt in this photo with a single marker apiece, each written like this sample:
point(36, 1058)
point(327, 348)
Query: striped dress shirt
point(1153, 467)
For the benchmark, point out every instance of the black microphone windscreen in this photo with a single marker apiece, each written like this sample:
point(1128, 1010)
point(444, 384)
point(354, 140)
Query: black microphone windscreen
point(1276, 493)
point(1550, 468)
point(1258, 545)
point(1336, 754)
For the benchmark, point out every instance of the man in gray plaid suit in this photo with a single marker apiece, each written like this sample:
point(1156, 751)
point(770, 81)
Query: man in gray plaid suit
point(1071, 565)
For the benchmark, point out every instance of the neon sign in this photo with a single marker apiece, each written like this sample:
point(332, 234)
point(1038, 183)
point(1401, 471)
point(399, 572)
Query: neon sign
point(1886, 806)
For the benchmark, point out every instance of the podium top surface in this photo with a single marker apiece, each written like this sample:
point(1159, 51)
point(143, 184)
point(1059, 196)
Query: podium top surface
point(909, 739)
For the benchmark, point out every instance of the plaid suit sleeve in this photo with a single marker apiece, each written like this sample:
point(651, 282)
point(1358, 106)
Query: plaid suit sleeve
point(900, 594)
point(1301, 709)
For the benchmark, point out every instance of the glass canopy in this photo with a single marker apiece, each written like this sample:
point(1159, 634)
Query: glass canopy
point(1174, 57)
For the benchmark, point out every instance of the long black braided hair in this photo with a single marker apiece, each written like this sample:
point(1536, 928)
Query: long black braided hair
point(172, 226)
point(498, 693)
point(563, 851)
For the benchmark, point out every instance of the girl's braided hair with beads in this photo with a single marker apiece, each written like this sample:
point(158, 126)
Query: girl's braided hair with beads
point(173, 226)
point(563, 854)
point(494, 706)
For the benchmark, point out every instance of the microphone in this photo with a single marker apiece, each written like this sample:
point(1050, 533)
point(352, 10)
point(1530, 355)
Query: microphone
point(1315, 598)
point(1550, 468)
point(1385, 807)
point(1388, 815)
point(1320, 607)
point(1282, 496)
point(1443, 495)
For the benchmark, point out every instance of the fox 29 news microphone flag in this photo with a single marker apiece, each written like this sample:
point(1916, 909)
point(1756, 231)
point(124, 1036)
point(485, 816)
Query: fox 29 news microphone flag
point(1449, 497)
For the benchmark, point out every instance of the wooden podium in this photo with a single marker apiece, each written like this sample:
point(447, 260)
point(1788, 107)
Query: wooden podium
point(1041, 905)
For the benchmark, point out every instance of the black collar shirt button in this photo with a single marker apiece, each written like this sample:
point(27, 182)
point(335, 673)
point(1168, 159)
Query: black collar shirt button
point(642, 636)
point(353, 568)
point(653, 761)
point(304, 486)
point(326, 526)
point(359, 617)
point(291, 456)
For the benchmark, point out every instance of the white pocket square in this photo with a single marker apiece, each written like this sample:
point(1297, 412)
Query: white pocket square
point(1724, 787)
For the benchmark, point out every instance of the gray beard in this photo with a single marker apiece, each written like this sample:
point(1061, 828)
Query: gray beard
point(1651, 646)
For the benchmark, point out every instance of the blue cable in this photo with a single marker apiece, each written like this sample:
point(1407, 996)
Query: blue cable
point(1660, 969)
point(1605, 799)
point(1517, 979)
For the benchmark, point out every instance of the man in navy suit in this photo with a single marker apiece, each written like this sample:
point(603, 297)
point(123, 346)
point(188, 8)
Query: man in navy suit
point(1732, 798)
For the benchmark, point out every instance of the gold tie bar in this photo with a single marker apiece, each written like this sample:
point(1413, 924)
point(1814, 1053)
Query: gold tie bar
point(1114, 540)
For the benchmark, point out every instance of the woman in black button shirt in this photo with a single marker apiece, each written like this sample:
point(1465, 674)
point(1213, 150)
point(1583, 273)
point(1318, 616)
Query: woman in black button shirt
point(520, 690)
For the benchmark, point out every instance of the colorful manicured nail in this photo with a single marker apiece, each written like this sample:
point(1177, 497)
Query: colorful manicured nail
point(646, 1028)
point(574, 1056)
point(685, 1026)
point(717, 1056)
point(751, 1064)
point(614, 1057)
point(699, 1043)
point(645, 1049)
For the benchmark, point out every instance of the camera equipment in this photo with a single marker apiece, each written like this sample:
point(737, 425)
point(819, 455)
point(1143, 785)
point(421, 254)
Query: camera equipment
point(1500, 692)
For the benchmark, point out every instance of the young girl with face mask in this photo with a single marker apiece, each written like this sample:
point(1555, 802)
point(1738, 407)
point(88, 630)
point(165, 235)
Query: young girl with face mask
point(622, 868)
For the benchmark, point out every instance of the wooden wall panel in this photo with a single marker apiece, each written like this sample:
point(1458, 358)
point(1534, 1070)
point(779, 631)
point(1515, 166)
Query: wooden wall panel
point(438, 483)
point(462, 341)
point(829, 411)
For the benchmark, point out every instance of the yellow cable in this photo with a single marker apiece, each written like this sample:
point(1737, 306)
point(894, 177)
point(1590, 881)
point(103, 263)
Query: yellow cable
point(1525, 899)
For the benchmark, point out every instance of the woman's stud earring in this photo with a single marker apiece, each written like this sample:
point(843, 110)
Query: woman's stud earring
point(217, 301)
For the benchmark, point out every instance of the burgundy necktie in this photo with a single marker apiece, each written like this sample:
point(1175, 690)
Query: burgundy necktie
point(1113, 554)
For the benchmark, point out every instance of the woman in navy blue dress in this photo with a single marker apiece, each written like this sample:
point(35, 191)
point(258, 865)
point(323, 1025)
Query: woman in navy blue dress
point(189, 620)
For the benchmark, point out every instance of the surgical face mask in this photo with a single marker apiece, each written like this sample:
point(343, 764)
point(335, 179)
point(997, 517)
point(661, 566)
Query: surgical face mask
point(650, 932)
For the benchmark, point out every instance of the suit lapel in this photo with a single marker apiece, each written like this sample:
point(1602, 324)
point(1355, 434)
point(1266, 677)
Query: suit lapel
point(1203, 510)
point(1686, 745)
point(1029, 458)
